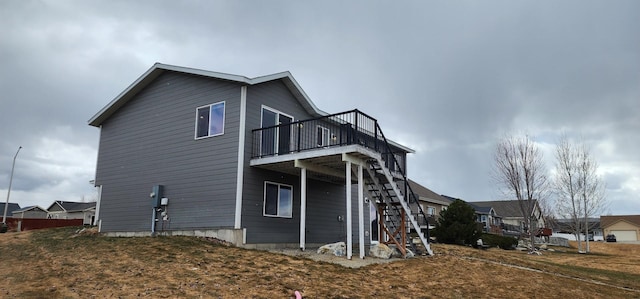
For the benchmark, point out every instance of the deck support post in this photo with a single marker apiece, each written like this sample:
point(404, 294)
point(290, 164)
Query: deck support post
point(360, 211)
point(347, 188)
point(303, 207)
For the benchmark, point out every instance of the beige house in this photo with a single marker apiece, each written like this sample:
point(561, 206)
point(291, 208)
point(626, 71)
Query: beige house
point(626, 228)
point(32, 212)
point(511, 214)
point(432, 203)
point(73, 210)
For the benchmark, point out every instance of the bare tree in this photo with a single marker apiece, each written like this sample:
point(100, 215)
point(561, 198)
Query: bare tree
point(521, 172)
point(566, 186)
point(579, 189)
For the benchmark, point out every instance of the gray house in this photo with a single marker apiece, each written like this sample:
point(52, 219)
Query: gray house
point(10, 208)
point(249, 160)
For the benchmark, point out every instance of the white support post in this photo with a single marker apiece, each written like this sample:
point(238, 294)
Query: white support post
point(361, 211)
point(348, 220)
point(241, 145)
point(303, 206)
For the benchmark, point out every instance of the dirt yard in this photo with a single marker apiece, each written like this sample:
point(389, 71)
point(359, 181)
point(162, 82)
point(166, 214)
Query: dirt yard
point(60, 263)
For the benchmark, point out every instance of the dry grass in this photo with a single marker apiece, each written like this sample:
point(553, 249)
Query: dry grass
point(59, 263)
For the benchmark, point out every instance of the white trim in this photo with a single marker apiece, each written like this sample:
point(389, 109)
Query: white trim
point(264, 200)
point(360, 211)
point(97, 215)
point(224, 112)
point(354, 160)
point(325, 139)
point(303, 207)
point(372, 204)
point(276, 144)
point(158, 68)
point(354, 148)
point(95, 181)
point(241, 145)
point(347, 186)
point(318, 168)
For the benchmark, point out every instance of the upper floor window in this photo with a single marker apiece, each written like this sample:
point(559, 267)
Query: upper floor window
point(210, 120)
point(431, 211)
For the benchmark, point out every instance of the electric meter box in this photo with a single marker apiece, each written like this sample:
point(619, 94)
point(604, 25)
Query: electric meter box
point(156, 196)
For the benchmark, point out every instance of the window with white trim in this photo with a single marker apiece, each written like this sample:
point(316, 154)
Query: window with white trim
point(322, 136)
point(431, 211)
point(210, 120)
point(278, 200)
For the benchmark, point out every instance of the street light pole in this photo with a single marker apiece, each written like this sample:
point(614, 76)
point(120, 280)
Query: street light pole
point(6, 205)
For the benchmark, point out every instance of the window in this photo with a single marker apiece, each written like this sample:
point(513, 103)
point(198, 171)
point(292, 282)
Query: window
point(210, 120)
point(322, 136)
point(431, 211)
point(278, 200)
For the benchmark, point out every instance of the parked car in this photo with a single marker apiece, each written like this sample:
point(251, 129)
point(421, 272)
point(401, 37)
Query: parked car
point(611, 238)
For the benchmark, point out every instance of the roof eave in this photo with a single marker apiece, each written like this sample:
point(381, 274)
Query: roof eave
point(158, 68)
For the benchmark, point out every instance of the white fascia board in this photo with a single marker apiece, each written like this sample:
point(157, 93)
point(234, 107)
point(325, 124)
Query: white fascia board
point(96, 119)
point(217, 75)
point(402, 147)
point(159, 68)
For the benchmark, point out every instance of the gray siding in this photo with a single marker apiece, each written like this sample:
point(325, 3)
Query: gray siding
point(261, 229)
point(325, 201)
point(150, 141)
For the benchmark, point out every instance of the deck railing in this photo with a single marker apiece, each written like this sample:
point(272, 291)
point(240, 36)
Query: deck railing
point(340, 129)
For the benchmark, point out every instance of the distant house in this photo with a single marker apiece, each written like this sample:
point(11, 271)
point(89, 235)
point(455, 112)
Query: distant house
point(34, 212)
point(10, 208)
point(432, 203)
point(72, 210)
point(249, 160)
point(511, 214)
point(624, 227)
point(563, 228)
point(487, 216)
point(488, 219)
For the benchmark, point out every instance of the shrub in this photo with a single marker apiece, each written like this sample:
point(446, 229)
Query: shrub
point(502, 242)
point(457, 225)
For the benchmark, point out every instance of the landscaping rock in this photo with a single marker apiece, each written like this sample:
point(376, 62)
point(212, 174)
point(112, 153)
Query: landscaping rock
point(337, 249)
point(381, 251)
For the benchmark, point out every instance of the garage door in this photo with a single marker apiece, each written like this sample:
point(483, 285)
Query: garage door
point(625, 235)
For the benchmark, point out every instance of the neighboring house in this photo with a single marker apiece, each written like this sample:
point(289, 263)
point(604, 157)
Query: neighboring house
point(72, 210)
point(249, 160)
point(511, 214)
point(432, 203)
point(10, 208)
point(625, 227)
point(562, 228)
point(34, 212)
point(488, 219)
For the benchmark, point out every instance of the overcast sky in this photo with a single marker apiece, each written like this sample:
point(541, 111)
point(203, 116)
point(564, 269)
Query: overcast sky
point(442, 77)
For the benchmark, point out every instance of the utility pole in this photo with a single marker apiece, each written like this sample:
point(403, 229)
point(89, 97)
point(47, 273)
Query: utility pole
point(6, 205)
